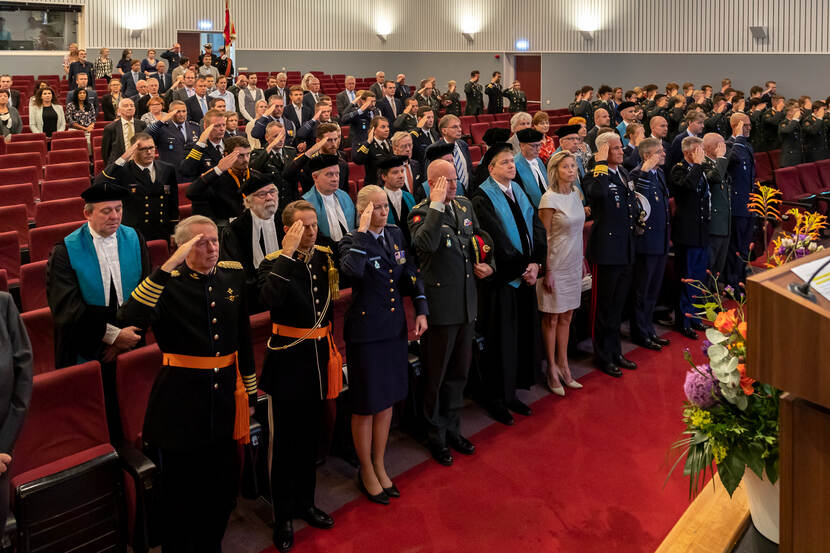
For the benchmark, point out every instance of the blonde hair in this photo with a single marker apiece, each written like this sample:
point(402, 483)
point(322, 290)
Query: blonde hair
point(553, 168)
point(182, 232)
point(363, 196)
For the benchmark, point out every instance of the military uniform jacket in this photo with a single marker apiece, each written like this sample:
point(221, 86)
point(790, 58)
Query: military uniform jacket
point(381, 277)
point(200, 315)
point(151, 207)
point(171, 144)
point(584, 109)
point(199, 159)
point(358, 122)
point(273, 163)
point(719, 123)
point(453, 107)
point(495, 102)
point(741, 169)
point(814, 131)
point(475, 98)
point(370, 154)
point(657, 236)
point(789, 132)
point(756, 133)
point(405, 123)
point(518, 100)
point(295, 291)
point(217, 196)
point(720, 186)
point(692, 198)
point(615, 210)
point(443, 244)
point(771, 119)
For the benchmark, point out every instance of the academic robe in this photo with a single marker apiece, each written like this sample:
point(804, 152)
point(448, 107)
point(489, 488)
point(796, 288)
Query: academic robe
point(407, 203)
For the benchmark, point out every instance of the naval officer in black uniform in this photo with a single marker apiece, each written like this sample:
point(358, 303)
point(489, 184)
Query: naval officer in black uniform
point(216, 193)
point(493, 90)
point(302, 368)
point(447, 238)
point(475, 95)
point(200, 405)
point(209, 149)
point(610, 251)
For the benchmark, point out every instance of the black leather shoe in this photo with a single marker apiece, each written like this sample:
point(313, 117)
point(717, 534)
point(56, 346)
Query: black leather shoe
point(660, 341)
point(688, 333)
point(500, 413)
point(382, 498)
point(284, 535)
point(518, 407)
point(609, 368)
point(441, 454)
point(461, 444)
point(621, 361)
point(697, 325)
point(317, 518)
point(392, 491)
point(648, 343)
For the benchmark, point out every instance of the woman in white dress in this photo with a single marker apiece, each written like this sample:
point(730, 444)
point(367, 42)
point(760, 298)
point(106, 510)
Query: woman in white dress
point(560, 291)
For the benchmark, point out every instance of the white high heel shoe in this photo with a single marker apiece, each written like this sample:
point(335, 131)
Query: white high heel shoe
point(558, 390)
point(572, 384)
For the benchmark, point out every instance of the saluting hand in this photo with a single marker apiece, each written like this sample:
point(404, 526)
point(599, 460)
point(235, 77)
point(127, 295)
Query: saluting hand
point(366, 104)
point(438, 193)
point(366, 218)
point(698, 155)
point(422, 122)
point(316, 147)
point(227, 162)
point(180, 254)
point(420, 325)
point(270, 110)
point(370, 136)
point(203, 138)
point(273, 143)
point(602, 153)
point(720, 151)
point(128, 153)
point(650, 163)
point(5, 461)
point(292, 238)
point(739, 128)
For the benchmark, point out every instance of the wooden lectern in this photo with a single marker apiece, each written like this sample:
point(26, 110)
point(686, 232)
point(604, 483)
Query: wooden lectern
point(788, 346)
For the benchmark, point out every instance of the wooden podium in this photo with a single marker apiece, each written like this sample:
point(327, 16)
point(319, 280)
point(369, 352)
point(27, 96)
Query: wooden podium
point(788, 346)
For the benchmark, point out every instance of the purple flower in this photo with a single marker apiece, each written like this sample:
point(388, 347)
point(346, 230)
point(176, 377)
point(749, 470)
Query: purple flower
point(698, 386)
point(704, 346)
point(728, 289)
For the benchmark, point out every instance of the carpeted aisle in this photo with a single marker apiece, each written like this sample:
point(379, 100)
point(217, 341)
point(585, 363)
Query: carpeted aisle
point(584, 474)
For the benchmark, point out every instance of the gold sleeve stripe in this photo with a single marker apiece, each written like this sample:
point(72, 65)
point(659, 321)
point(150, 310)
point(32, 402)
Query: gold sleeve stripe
point(149, 290)
point(151, 287)
point(195, 154)
point(147, 293)
point(152, 284)
point(144, 298)
point(137, 298)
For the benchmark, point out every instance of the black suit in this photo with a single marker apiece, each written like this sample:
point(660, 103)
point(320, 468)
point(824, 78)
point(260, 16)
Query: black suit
point(421, 140)
point(310, 102)
point(386, 109)
point(109, 106)
point(141, 105)
point(194, 109)
point(14, 98)
point(342, 100)
point(128, 84)
point(274, 90)
point(174, 59)
point(112, 141)
point(165, 81)
point(370, 154)
point(153, 205)
point(290, 113)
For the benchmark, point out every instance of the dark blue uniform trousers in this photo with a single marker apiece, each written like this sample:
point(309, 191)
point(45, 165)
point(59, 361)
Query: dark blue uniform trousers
point(739, 242)
point(648, 277)
point(610, 290)
point(692, 264)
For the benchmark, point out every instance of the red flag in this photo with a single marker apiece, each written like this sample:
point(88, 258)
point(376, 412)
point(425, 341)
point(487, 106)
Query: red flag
point(230, 29)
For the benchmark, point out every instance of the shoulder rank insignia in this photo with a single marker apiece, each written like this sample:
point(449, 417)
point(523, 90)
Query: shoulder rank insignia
point(231, 296)
point(363, 149)
point(230, 265)
point(273, 255)
point(324, 249)
point(175, 272)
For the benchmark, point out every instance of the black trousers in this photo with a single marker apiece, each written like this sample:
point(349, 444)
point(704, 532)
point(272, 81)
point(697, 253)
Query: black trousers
point(199, 490)
point(611, 285)
point(295, 428)
point(446, 352)
point(718, 253)
point(648, 278)
point(739, 242)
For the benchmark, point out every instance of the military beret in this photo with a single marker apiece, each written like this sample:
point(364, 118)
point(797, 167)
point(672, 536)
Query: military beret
point(626, 105)
point(528, 135)
point(256, 181)
point(439, 150)
point(566, 130)
point(495, 150)
point(322, 161)
point(104, 192)
point(208, 45)
point(494, 135)
point(389, 162)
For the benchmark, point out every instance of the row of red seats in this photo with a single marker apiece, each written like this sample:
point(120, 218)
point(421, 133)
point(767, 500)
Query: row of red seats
point(806, 183)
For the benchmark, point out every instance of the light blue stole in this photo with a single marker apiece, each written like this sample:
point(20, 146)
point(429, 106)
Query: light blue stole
point(491, 188)
point(84, 262)
point(408, 200)
point(315, 199)
point(621, 131)
point(529, 178)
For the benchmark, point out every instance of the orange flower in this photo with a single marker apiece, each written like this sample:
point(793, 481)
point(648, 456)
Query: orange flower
point(726, 320)
point(746, 382)
point(742, 329)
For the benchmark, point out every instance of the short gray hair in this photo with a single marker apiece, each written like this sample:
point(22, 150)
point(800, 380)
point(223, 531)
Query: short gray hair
point(690, 143)
point(182, 232)
point(520, 117)
point(647, 146)
point(363, 196)
point(606, 137)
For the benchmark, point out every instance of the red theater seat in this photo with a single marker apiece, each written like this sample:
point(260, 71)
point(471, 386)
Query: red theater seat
point(67, 156)
point(41, 330)
point(775, 158)
point(486, 118)
point(19, 175)
point(477, 131)
point(14, 194)
point(763, 168)
point(36, 146)
point(33, 286)
point(63, 188)
point(69, 143)
point(55, 212)
point(74, 133)
point(810, 178)
point(67, 171)
point(43, 239)
point(159, 252)
point(10, 255)
point(27, 159)
point(66, 475)
point(4, 280)
point(792, 190)
point(28, 137)
point(15, 218)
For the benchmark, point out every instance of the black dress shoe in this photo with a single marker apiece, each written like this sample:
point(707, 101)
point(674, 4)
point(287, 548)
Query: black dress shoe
point(688, 333)
point(441, 454)
point(284, 535)
point(500, 413)
point(317, 518)
point(660, 341)
point(381, 498)
point(648, 343)
point(621, 361)
point(697, 325)
point(518, 407)
point(610, 369)
point(392, 491)
point(461, 444)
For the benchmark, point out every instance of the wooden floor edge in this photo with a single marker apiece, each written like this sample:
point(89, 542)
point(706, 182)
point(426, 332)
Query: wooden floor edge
point(713, 523)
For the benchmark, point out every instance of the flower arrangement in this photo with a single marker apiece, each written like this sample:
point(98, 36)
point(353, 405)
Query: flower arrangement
point(731, 420)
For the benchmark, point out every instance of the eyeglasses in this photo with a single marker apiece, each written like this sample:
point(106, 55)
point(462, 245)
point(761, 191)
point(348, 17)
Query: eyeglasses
point(147, 149)
point(265, 193)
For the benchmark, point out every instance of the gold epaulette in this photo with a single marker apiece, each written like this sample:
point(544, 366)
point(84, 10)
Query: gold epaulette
point(230, 265)
point(299, 156)
point(324, 249)
point(422, 203)
point(600, 169)
point(273, 255)
point(415, 132)
point(363, 149)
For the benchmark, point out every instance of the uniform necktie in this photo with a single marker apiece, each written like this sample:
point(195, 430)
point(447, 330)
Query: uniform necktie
point(181, 130)
point(431, 139)
point(382, 243)
point(407, 178)
point(460, 166)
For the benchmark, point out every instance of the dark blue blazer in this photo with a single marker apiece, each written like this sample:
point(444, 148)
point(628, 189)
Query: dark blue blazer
point(386, 110)
point(128, 87)
point(690, 191)
point(165, 81)
point(380, 278)
point(614, 208)
point(194, 110)
point(675, 155)
point(81, 67)
point(631, 156)
point(652, 185)
point(171, 144)
point(358, 123)
point(742, 170)
point(258, 130)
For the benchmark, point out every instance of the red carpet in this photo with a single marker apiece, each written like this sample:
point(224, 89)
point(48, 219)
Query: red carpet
point(584, 474)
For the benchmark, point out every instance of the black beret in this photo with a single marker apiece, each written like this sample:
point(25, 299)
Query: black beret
point(438, 150)
point(256, 181)
point(495, 150)
point(322, 161)
point(494, 135)
point(389, 162)
point(565, 130)
point(104, 192)
point(529, 135)
point(626, 105)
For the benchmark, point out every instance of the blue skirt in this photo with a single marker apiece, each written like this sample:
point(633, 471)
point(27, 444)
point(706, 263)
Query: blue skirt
point(377, 374)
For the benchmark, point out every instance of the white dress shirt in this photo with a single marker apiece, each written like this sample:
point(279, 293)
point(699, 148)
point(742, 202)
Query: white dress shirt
point(121, 162)
point(335, 215)
point(266, 228)
point(537, 172)
point(508, 190)
point(395, 198)
point(106, 248)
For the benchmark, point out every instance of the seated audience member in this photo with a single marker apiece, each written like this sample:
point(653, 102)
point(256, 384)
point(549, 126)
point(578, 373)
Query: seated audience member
point(519, 121)
point(118, 134)
point(6, 83)
point(82, 82)
point(89, 274)
point(10, 121)
point(375, 148)
point(335, 207)
point(110, 100)
point(216, 192)
point(80, 112)
point(45, 115)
